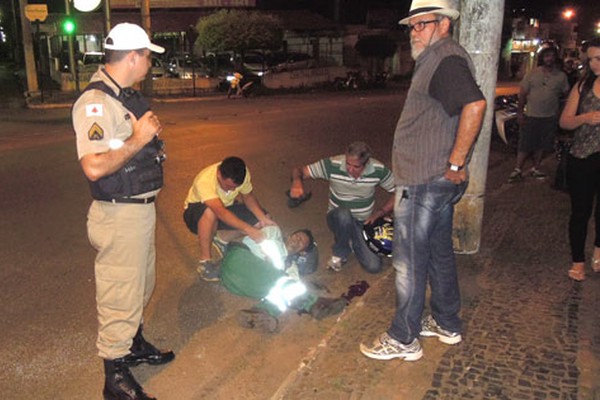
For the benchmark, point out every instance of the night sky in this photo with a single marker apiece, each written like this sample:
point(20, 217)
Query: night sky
point(354, 11)
point(540, 7)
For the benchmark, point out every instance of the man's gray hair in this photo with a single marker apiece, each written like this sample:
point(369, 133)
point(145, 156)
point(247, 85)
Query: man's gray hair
point(360, 150)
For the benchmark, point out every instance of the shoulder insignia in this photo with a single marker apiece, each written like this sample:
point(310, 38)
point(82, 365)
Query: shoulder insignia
point(96, 132)
point(93, 110)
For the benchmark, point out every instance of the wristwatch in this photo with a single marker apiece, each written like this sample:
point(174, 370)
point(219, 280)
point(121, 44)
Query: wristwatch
point(454, 167)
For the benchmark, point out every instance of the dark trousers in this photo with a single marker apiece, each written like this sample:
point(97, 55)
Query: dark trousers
point(583, 177)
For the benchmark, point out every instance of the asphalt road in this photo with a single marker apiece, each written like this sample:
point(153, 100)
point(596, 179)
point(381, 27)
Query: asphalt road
point(48, 323)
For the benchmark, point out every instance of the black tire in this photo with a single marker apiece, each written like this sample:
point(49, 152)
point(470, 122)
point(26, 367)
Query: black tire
point(339, 84)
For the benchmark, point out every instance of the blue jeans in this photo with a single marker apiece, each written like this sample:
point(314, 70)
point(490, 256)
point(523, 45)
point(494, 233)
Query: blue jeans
point(347, 237)
point(423, 253)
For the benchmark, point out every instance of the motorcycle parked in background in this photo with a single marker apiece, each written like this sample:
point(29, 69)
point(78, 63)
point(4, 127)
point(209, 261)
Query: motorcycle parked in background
point(505, 117)
point(354, 80)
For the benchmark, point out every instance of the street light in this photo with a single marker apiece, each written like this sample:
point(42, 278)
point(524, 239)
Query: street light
point(86, 5)
point(568, 13)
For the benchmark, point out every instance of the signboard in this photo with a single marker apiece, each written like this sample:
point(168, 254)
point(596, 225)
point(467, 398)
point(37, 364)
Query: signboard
point(185, 4)
point(36, 12)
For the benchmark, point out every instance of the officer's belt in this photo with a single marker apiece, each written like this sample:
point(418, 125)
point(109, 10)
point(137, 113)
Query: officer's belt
point(132, 200)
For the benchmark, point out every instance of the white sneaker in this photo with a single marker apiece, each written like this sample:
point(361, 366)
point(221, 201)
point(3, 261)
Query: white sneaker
point(515, 176)
point(431, 328)
point(335, 263)
point(537, 174)
point(386, 347)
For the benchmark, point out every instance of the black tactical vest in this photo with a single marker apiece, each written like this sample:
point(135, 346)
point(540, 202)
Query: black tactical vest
point(142, 173)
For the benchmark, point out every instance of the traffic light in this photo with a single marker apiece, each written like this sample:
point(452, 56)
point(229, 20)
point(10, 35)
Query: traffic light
point(68, 26)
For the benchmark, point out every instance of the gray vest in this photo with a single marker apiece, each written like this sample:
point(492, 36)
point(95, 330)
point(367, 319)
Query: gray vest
point(425, 133)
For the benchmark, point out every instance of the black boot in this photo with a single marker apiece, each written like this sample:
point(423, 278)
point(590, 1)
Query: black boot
point(318, 307)
point(144, 352)
point(119, 383)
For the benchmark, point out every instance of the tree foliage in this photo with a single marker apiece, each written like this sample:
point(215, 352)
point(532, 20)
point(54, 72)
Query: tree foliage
point(239, 31)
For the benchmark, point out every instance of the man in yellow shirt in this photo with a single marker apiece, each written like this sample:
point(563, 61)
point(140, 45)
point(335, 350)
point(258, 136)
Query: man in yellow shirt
point(222, 198)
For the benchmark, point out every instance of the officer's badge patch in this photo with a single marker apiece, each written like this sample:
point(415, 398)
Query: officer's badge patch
point(94, 110)
point(96, 132)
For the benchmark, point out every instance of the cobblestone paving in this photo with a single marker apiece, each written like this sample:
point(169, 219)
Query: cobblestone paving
point(522, 317)
point(521, 336)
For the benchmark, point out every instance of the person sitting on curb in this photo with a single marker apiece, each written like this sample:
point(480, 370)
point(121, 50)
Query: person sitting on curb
point(353, 178)
point(270, 272)
point(222, 197)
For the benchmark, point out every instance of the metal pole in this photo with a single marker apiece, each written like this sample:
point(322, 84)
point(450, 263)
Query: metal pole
point(16, 48)
point(38, 56)
point(106, 17)
point(72, 65)
point(146, 24)
point(480, 34)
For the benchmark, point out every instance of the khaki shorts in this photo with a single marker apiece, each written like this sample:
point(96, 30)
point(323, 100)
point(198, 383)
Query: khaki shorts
point(538, 134)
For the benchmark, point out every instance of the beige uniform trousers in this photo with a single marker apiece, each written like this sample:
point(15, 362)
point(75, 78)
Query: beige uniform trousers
point(123, 235)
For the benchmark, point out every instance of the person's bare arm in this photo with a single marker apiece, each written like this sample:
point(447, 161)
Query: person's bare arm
point(569, 118)
point(522, 101)
point(253, 205)
point(385, 210)
point(229, 218)
point(298, 176)
point(471, 119)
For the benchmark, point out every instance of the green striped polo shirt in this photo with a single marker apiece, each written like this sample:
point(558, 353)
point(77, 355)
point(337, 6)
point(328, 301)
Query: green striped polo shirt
point(358, 195)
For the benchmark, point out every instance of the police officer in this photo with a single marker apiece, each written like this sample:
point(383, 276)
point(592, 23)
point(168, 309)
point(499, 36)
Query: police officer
point(120, 154)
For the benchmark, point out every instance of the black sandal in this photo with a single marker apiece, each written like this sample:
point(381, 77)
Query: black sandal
point(295, 202)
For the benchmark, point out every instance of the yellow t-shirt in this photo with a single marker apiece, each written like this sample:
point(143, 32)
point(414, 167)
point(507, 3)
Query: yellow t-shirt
point(206, 187)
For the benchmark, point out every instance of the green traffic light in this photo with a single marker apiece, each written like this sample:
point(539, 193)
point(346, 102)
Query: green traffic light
point(68, 26)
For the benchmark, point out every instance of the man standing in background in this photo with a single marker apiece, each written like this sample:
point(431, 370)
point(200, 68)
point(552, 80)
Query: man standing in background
point(541, 91)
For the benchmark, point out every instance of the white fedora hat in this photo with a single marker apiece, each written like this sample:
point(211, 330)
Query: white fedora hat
point(446, 8)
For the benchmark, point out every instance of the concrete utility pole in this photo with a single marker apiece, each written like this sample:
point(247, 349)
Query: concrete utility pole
point(32, 81)
point(480, 34)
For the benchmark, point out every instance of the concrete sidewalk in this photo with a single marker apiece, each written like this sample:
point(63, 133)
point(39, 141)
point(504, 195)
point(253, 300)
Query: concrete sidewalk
point(530, 332)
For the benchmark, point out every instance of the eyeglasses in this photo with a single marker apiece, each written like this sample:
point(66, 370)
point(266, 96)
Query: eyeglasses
point(419, 26)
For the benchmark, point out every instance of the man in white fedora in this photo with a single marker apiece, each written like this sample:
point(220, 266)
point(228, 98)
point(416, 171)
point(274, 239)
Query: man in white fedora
point(433, 140)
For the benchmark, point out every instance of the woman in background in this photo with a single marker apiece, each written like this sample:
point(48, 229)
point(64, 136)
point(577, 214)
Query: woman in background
point(582, 114)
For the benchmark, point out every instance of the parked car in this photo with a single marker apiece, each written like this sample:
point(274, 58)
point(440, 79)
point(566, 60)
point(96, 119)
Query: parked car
point(292, 61)
point(182, 67)
point(256, 64)
point(91, 60)
point(158, 68)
